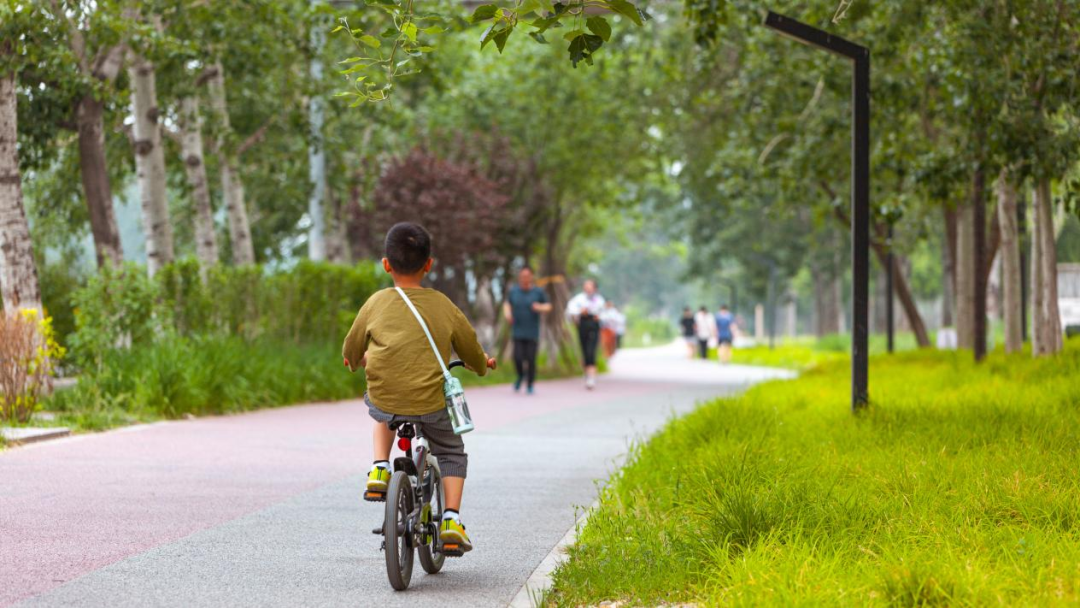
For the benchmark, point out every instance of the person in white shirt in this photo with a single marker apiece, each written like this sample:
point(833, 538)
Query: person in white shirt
point(704, 330)
point(584, 311)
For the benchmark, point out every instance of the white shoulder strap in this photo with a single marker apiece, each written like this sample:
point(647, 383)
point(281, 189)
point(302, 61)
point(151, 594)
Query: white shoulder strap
point(431, 341)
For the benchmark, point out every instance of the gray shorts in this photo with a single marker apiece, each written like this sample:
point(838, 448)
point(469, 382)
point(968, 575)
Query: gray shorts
point(447, 447)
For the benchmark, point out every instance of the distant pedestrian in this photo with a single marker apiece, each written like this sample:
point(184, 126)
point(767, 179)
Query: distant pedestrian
point(620, 326)
point(725, 333)
point(687, 325)
point(584, 311)
point(608, 328)
point(522, 310)
point(704, 330)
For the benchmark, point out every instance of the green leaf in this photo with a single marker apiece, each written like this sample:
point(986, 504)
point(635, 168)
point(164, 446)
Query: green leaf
point(371, 41)
point(359, 100)
point(352, 60)
point(483, 13)
point(500, 38)
point(486, 37)
point(626, 9)
point(599, 26)
point(425, 49)
point(337, 29)
point(537, 36)
point(573, 34)
point(353, 69)
point(409, 29)
point(389, 32)
point(577, 50)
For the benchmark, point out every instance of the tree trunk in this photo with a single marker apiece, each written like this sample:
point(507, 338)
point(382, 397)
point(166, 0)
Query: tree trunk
point(18, 274)
point(903, 291)
point(232, 187)
point(191, 150)
point(979, 257)
point(316, 150)
point(337, 246)
point(826, 304)
point(150, 165)
point(965, 276)
point(900, 284)
point(93, 167)
point(1046, 335)
point(1010, 264)
point(948, 265)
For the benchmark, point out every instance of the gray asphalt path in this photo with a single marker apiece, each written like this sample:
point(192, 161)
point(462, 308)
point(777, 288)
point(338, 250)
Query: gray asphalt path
point(528, 480)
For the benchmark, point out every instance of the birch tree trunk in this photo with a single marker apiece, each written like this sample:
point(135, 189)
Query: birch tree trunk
point(1047, 316)
point(150, 165)
point(1010, 264)
point(232, 186)
point(18, 274)
point(191, 150)
point(965, 276)
point(316, 152)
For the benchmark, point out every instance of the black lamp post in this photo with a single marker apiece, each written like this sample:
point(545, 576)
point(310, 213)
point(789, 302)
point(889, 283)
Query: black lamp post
point(860, 187)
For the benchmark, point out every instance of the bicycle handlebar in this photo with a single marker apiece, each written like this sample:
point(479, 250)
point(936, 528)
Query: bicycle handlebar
point(455, 363)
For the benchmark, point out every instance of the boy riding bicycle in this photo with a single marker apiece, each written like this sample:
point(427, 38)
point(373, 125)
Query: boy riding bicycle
point(404, 382)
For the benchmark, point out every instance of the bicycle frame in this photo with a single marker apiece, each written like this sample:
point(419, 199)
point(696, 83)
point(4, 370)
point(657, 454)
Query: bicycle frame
point(416, 465)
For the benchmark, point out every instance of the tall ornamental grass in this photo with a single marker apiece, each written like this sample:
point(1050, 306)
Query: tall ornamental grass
point(958, 487)
point(181, 344)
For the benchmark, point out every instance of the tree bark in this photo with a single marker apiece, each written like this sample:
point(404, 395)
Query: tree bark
point(337, 246)
point(900, 284)
point(150, 165)
point(948, 264)
point(191, 150)
point(1046, 334)
point(317, 237)
point(826, 303)
point(1010, 264)
point(979, 257)
point(901, 288)
point(90, 122)
point(232, 186)
point(965, 276)
point(93, 167)
point(18, 274)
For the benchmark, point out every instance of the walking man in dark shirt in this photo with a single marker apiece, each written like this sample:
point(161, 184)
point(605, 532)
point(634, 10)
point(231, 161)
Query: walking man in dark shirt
point(522, 310)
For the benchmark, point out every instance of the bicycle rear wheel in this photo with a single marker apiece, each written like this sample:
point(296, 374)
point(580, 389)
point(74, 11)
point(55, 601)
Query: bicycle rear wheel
point(431, 560)
point(399, 553)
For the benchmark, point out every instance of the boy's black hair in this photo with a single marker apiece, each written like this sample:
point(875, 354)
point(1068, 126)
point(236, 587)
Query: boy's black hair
point(408, 247)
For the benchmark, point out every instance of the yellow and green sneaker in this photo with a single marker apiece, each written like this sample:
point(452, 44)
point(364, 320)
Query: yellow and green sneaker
point(377, 481)
point(453, 537)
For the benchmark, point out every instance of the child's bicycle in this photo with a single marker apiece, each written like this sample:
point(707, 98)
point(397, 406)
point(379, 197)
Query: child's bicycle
point(414, 505)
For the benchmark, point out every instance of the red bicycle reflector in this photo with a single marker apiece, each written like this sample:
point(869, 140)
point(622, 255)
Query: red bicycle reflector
point(404, 444)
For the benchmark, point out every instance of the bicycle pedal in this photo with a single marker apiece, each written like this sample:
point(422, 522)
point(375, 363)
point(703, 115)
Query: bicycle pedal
point(375, 496)
point(452, 551)
point(377, 531)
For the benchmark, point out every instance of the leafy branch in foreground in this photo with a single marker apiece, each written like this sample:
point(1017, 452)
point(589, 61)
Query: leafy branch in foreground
point(373, 70)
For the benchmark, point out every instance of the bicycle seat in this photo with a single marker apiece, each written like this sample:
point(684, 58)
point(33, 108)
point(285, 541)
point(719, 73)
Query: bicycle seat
point(404, 428)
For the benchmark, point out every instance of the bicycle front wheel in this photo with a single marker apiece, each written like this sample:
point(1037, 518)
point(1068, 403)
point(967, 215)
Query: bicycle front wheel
point(430, 559)
point(399, 552)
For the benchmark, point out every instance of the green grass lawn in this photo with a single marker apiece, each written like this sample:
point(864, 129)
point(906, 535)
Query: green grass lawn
point(959, 486)
point(803, 352)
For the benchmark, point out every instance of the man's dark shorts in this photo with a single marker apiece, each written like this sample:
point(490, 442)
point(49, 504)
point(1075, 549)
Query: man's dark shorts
point(446, 446)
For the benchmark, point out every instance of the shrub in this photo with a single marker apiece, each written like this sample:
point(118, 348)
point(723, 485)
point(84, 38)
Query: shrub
point(28, 352)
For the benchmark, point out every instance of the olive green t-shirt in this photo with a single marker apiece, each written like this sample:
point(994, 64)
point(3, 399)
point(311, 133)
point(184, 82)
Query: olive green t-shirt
point(403, 376)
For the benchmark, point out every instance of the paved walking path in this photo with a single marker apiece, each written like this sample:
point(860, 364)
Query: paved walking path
point(264, 509)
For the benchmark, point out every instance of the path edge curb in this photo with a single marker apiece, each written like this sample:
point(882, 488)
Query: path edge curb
point(540, 579)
